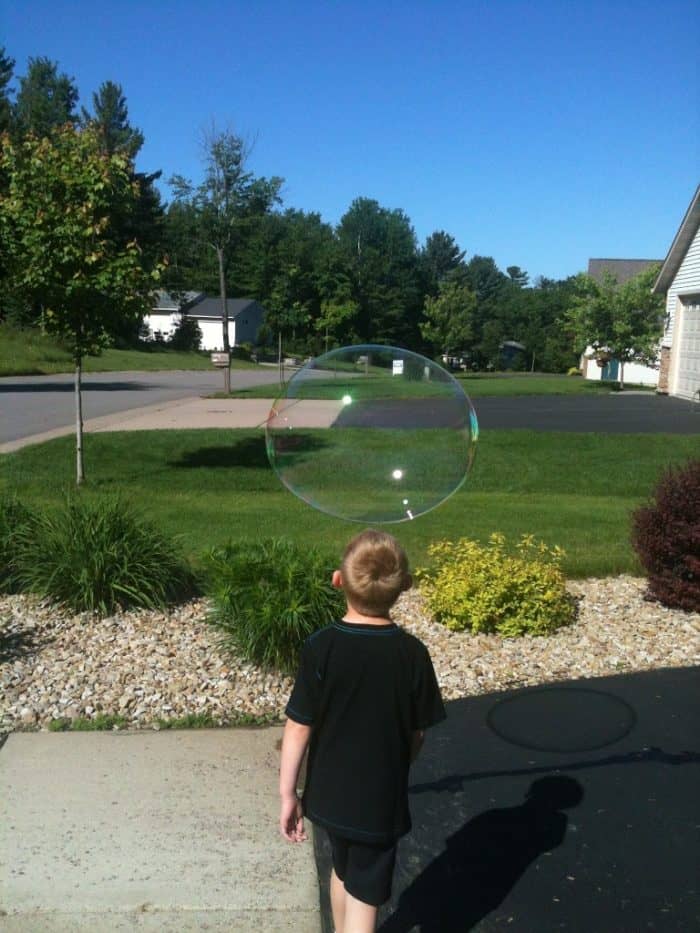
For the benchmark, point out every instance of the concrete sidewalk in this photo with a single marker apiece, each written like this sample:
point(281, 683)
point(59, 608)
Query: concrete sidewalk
point(191, 413)
point(154, 831)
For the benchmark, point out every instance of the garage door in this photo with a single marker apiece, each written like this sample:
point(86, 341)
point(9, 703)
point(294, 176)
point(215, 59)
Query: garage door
point(689, 349)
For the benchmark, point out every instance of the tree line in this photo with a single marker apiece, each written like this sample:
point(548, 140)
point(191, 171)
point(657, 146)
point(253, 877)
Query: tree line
point(366, 279)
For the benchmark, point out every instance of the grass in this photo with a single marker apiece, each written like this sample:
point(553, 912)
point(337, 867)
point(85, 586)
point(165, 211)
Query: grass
point(476, 385)
point(29, 353)
point(104, 722)
point(212, 486)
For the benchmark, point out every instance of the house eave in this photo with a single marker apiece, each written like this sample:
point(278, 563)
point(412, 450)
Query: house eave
point(679, 247)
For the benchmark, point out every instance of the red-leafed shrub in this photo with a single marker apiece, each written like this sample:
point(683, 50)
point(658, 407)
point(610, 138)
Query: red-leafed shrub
point(666, 536)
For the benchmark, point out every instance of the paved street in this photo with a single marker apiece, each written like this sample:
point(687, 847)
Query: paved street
point(35, 404)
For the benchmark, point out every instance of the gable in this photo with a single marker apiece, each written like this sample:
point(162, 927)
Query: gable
point(681, 244)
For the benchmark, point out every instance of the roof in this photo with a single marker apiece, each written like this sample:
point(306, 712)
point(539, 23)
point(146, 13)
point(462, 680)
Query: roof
point(181, 300)
point(198, 305)
point(211, 307)
point(621, 269)
point(680, 246)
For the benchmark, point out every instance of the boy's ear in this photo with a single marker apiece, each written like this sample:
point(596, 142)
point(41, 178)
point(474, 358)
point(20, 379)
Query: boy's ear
point(337, 580)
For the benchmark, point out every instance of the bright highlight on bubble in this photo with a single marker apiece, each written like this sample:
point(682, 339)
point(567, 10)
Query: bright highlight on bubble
point(346, 419)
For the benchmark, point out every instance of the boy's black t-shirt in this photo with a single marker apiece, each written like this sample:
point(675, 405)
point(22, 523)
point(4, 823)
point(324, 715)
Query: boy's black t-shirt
point(365, 689)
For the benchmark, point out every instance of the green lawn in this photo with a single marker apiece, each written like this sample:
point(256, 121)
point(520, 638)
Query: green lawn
point(476, 385)
point(29, 353)
point(208, 486)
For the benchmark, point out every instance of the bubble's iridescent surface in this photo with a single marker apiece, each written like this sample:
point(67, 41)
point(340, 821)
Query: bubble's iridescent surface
point(372, 434)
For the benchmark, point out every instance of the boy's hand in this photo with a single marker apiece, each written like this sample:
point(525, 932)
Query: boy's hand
point(292, 819)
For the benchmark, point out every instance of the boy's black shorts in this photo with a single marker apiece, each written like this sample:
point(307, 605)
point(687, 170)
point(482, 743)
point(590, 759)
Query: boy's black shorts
point(365, 870)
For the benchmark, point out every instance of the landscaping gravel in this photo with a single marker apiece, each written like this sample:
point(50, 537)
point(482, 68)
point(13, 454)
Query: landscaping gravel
point(147, 666)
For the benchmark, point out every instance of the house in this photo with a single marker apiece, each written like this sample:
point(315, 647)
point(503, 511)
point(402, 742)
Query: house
point(622, 270)
point(679, 281)
point(245, 316)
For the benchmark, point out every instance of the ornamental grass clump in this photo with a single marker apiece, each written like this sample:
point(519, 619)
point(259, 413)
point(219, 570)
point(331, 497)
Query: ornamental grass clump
point(489, 589)
point(13, 515)
point(666, 537)
point(99, 557)
point(268, 596)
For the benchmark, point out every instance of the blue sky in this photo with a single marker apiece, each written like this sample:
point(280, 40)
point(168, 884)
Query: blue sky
point(539, 133)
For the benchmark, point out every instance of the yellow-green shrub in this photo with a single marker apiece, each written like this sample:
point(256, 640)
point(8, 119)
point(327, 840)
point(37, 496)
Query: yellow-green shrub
point(486, 588)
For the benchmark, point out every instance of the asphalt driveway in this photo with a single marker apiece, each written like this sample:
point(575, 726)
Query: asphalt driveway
point(579, 814)
point(32, 405)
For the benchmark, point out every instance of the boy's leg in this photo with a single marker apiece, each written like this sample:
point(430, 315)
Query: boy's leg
point(359, 917)
point(338, 902)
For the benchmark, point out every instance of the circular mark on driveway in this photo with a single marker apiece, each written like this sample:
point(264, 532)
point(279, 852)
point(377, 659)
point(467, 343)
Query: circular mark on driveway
point(562, 719)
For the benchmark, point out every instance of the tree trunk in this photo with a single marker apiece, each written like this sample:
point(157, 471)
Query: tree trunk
point(622, 375)
point(280, 368)
point(80, 474)
point(224, 318)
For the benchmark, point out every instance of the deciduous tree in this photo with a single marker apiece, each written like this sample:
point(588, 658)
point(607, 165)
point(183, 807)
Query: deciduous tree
point(224, 204)
point(448, 318)
point(60, 231)
point(624, 322)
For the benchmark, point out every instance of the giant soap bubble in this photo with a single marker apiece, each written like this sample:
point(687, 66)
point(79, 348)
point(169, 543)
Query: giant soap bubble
point(372, 434)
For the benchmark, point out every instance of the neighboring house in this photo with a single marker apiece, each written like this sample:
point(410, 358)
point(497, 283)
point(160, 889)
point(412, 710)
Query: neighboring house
point(245, 316)
point(679, 280)
point(622, 270)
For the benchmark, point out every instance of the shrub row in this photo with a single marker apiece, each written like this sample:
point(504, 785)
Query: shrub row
point(266, 597)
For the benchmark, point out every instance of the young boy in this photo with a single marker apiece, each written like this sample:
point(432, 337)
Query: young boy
point(365, 692)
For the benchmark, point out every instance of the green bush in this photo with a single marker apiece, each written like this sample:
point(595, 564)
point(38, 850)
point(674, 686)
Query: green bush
point(487, 589)
point(98, 557)
point(242, 351)
point(12, 516)
point(268, 597)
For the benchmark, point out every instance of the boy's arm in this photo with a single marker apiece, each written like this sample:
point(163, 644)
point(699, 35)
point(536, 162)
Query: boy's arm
point(294, 744)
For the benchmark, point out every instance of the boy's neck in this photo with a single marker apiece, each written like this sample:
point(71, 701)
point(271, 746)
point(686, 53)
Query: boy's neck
point(352, 615)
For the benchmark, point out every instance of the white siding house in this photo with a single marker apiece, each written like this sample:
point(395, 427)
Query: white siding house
point(679, 280)
point(245, 316)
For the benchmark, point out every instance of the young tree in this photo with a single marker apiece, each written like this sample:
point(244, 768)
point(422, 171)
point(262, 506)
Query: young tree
point(224, 204)
point(623, 322)
point(448, 324)
point(59, 232)
point(46, 99)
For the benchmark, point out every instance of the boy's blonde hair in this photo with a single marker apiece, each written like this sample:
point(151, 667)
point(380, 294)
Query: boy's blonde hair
point(375, 572)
